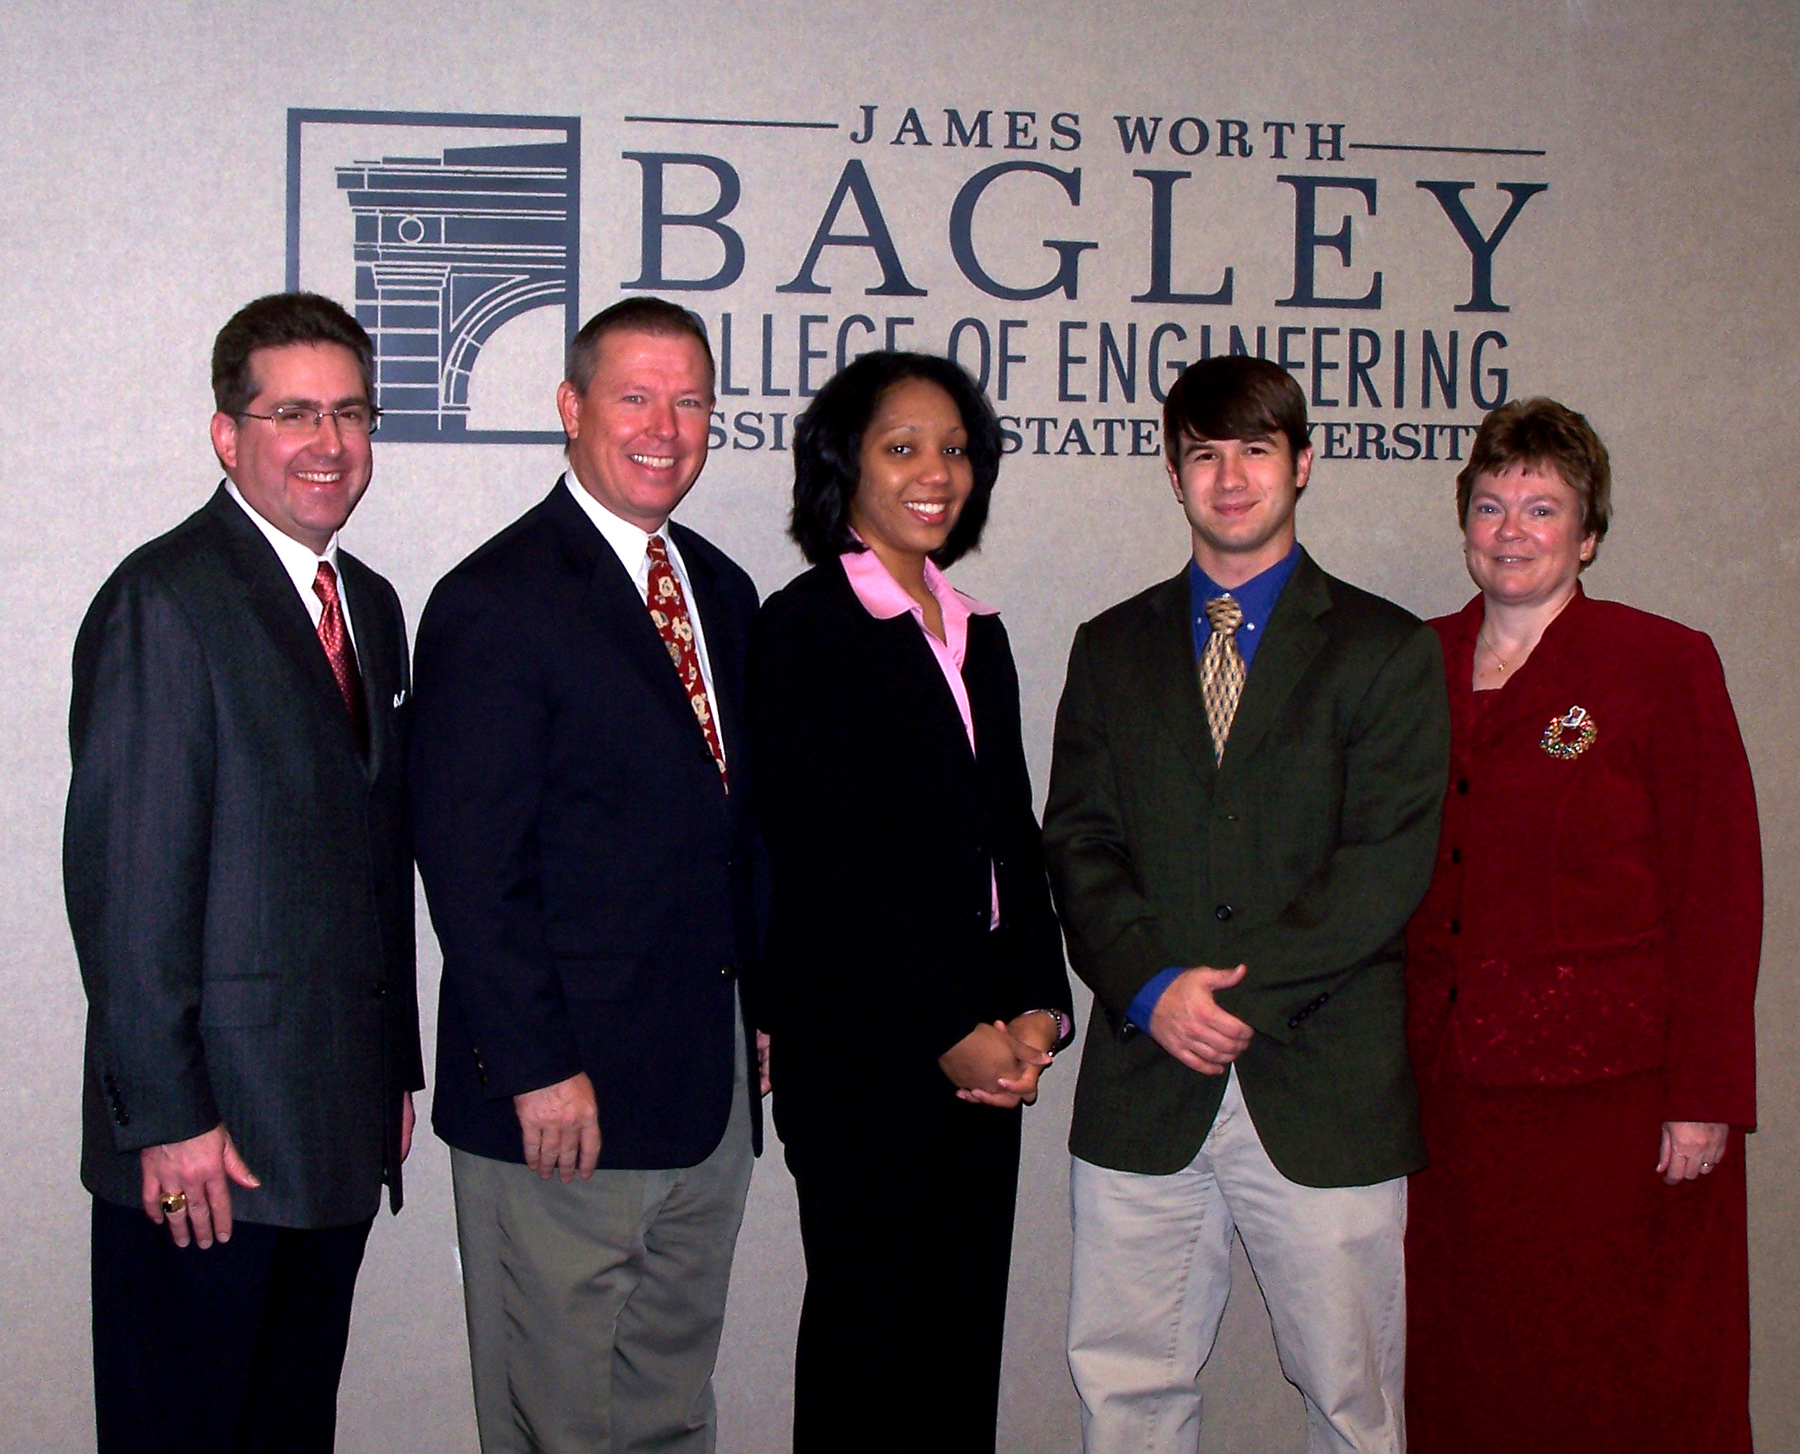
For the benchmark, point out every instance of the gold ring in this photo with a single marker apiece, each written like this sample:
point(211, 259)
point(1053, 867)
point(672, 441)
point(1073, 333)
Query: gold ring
point(1706, 1166)
point(174, 1203)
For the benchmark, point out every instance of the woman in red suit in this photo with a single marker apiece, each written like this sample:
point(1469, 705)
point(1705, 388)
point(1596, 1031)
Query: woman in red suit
point(1581, 977)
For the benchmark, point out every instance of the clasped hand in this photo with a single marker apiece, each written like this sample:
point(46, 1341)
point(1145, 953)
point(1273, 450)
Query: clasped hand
point(1193, 1027)
point(999, 1064)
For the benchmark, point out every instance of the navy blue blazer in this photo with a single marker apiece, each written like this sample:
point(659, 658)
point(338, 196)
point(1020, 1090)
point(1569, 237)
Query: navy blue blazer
point(591, 882)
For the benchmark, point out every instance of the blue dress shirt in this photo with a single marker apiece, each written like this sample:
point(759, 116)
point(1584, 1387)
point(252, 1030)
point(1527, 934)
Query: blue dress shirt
point(1256, 598)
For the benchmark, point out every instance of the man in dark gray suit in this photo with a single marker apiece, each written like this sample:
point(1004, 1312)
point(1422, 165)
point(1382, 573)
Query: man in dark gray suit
point(238, 876)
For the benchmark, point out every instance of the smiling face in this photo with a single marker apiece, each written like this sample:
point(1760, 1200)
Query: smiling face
point(914, 476)
point(305, 485)
point(638, 434)
point(1239, 497)
point(1523, 539)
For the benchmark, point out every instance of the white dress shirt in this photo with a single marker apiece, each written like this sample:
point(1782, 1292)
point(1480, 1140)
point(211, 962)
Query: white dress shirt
point(632, 546)
point(301, 564)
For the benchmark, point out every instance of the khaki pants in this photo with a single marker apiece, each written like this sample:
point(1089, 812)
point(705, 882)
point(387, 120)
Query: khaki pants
point(1152, 1270)
point(595, 1308)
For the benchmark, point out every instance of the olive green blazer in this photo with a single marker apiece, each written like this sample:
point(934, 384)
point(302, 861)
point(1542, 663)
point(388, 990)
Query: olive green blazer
point(1301, 854)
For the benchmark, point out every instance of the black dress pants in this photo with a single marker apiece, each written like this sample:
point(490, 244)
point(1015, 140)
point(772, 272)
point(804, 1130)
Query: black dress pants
point(235, 1349)
point(908, 1239)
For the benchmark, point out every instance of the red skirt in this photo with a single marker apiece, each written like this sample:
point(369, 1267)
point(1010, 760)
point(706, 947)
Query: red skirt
point(1560, 1296)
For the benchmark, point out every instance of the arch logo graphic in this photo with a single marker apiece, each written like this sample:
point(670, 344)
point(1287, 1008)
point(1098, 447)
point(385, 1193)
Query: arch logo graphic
point(456, 239)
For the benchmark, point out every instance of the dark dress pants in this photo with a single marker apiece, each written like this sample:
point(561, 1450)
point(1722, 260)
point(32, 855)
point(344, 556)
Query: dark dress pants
point(908, 1240)
point(235, 1349)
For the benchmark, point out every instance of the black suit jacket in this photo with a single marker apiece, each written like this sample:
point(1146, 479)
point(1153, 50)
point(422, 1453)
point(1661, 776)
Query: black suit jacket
point(591, 881)
point(238, 876)
point(1301, 854)
point(881, 826)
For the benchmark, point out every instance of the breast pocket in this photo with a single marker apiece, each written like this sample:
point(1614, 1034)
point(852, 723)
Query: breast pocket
point(240, 1001)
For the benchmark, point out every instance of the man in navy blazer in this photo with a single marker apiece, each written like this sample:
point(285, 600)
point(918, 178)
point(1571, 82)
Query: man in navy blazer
point(584, 836)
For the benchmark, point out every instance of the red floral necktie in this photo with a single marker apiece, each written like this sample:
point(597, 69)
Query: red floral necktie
point(668, 609)
point(335, 638)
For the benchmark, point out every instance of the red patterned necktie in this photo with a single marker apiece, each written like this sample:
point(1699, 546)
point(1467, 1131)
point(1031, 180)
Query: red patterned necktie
point(668, 609)
point(335, 638)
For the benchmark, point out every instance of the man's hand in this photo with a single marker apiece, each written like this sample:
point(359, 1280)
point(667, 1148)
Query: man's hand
point(561, 1128)
point(407, 1115)
point(1690, 1149)
point(762, 1059)
point(201, 1169)
point(1191, 1026)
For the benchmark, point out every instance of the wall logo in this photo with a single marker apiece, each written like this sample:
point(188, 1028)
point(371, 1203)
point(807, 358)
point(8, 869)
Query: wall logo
point(456, 239)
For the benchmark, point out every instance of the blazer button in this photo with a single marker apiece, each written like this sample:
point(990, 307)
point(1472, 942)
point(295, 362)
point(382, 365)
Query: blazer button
point(378, 990)
point(1456, 855)
point(1453, 994)
point(1223, 912)
point(1462, 785)
point(727, 971)
point(1293, 1022)
point(1456, 926)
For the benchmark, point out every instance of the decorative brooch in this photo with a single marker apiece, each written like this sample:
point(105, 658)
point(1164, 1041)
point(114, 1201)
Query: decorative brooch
point(1576, 720)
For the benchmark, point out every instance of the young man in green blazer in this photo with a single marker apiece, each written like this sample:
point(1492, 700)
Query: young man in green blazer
point(1249, 764)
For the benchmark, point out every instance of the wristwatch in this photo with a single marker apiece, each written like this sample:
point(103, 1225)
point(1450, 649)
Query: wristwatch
point(1065, 1025)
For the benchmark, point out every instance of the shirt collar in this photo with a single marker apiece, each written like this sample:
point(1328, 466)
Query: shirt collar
point(1256, 596)
point(628, 541)
point(884, 597)
point(297, 560)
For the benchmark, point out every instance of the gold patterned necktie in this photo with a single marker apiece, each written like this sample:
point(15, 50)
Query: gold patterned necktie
point(1222, 670)
point(669, 613)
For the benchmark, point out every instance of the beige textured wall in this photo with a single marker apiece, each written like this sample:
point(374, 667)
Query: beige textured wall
point(142, 174)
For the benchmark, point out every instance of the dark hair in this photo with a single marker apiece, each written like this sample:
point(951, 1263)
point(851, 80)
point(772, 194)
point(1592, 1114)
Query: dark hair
point(1234, 396)
point(655, 316)
point(276, 321)
point(1542, 433)
point(828, 451)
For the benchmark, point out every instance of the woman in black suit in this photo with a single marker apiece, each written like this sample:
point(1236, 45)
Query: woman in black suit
point(915, 963)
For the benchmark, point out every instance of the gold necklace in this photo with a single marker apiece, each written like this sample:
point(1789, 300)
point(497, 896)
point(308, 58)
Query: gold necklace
point(1488, 646)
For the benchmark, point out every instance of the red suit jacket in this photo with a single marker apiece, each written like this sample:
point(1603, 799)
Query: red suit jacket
point(1597, 904)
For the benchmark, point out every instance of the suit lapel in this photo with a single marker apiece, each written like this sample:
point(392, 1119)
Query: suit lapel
point(983, 681)
point(618, 610)
point(278, 609)
point(724, 633)
point(1172, 674)
point(1293, 638)
point(376, 658)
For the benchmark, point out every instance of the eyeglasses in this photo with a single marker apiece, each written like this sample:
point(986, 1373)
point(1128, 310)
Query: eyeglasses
point(299, 420)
